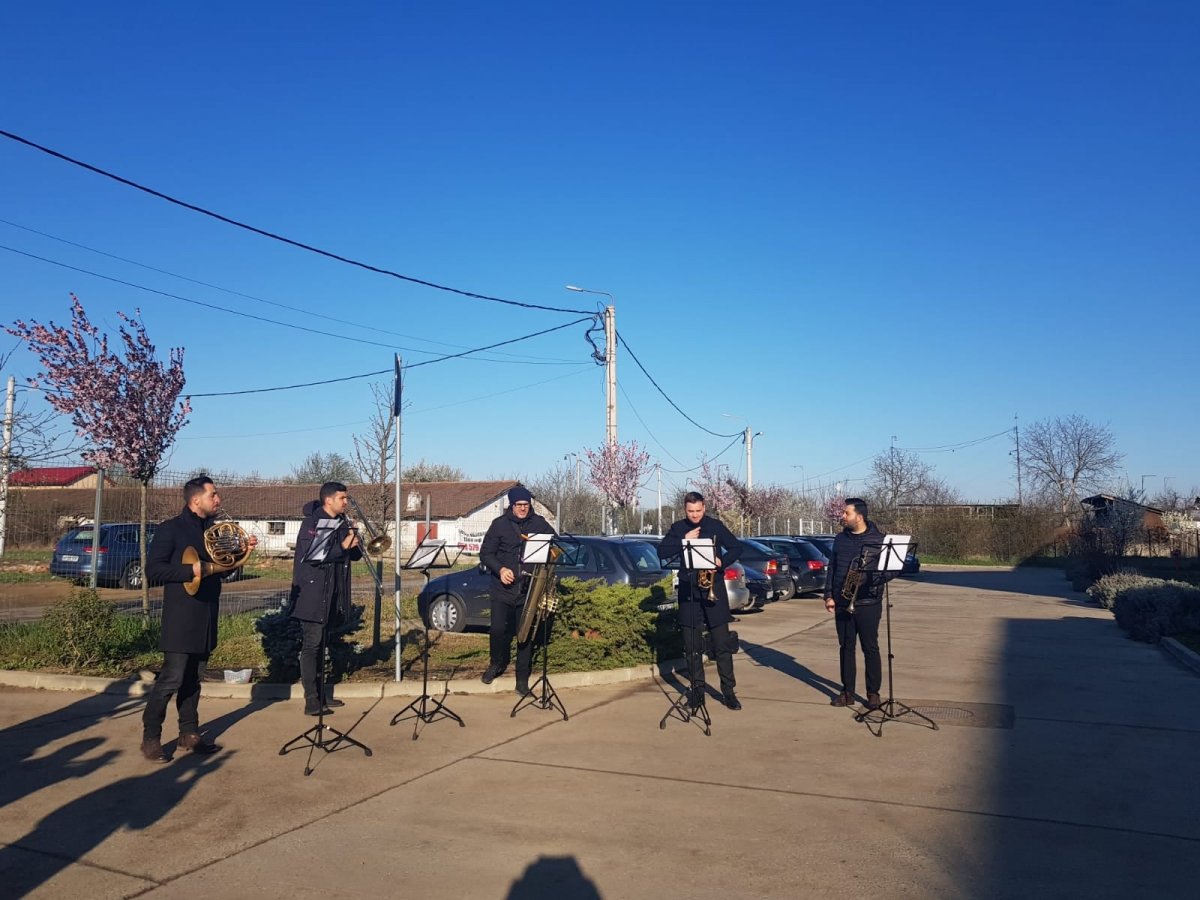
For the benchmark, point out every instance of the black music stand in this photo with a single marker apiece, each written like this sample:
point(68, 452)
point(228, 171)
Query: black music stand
point(428, 555)
point(696, 556)
point(538, 553)
point(891, 560)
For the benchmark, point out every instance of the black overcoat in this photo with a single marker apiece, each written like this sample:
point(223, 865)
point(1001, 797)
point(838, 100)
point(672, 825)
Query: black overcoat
point(696, 610)
point(189, 624)
point(316, 586)
point(501, 548)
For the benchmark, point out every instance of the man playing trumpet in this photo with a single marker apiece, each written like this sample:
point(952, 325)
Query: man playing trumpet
point(705, 608)
point(191, 597)
point(857, 547)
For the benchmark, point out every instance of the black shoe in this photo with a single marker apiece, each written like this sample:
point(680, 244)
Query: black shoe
point(523, 687)
point(314, 708)
point(729, 698)
point(491, 673)
point(845, 698)
point(333, 701)
point(152, 750)
point(196, 744)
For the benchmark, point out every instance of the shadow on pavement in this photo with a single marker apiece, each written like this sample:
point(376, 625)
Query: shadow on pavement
point(789, 665)
point(553, 878)
point(1038, 582)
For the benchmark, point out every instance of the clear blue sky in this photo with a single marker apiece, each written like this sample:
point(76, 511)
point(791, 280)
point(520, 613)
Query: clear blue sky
point(840, 222)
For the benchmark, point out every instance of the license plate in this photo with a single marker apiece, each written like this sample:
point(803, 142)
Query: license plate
point(769, 594)
point(70, 558)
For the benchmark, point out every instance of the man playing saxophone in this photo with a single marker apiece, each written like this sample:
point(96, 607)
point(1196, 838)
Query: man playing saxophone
point(854, 594)
point(189, 618)
point(704, 607)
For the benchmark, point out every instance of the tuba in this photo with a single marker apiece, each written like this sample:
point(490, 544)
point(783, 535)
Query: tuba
point(540, 599)
point(228, 546)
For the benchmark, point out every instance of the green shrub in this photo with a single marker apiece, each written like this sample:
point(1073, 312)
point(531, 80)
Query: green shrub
point(1105, 590)
point(282, 637)
point(611, 626)
point(1159, 609)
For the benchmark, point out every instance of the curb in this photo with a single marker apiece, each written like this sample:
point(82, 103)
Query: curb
point(1185, 655)
point(410, 687)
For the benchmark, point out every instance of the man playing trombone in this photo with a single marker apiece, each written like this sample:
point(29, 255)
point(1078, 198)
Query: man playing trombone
point(320, 597)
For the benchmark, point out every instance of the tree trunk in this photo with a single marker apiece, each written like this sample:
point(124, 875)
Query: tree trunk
point(142, 554)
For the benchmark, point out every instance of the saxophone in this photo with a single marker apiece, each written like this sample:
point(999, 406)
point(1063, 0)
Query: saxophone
point(854, 580)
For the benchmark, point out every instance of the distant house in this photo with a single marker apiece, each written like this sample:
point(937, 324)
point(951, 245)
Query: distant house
point(55, 477)
point(1104, 507)
point(961, 510)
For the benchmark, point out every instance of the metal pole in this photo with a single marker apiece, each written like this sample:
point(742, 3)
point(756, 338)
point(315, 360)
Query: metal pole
point(397, 394)
point(6, 459)
point(610, 371)
point(96, 527)
point(658, 468)
point(749, 459)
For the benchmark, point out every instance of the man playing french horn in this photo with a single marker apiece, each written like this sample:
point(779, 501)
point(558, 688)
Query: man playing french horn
point(854, 594)
point(179, 558)
point(708, 607)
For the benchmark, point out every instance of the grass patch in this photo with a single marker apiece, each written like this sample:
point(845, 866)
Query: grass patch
point(936, 559)
point(11, 577)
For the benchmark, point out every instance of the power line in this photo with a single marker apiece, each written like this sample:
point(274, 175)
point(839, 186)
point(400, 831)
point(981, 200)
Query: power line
point(625, 344)
point(962, 445)
point(709, 460)
point(625, 394)
point(231, 292)
point(289, 387)
point(278, 237)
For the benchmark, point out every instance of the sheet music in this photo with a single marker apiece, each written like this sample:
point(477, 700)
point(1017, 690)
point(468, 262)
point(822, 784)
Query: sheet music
point(536, 549)
point(891, 555)
point(699, 553)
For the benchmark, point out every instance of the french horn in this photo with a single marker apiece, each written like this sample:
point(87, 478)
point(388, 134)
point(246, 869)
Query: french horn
point(228, 548)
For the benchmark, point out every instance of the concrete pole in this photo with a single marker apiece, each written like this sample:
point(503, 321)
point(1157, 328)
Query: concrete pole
point(610, 372)
point(6, 459)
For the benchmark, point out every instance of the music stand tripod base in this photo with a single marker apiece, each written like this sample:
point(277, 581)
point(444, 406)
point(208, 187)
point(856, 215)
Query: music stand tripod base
point(547, 697)
point(681, 706)
point(428, 555)
point(315, 738)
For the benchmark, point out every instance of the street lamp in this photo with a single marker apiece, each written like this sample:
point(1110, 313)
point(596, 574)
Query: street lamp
point(1144, 477)
point(610, 362)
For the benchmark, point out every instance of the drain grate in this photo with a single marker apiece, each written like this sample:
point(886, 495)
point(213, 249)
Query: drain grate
point(972, 715)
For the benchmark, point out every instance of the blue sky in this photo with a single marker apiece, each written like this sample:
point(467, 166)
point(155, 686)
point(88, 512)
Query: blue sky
point(838, 222)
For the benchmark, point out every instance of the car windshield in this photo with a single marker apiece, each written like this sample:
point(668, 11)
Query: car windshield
point(804, 550)
point(642, 556)
point(80, 535)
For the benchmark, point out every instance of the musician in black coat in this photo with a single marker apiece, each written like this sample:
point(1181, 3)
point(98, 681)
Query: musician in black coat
point(699, 609)
point(858, 544)
point(189, 623)
point(325, 547)
point(500, 552)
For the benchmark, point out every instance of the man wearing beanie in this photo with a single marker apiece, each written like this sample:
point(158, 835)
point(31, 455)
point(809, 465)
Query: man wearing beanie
point(501, 553)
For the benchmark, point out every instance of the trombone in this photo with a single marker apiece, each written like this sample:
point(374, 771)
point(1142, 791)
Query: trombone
point(376, 544)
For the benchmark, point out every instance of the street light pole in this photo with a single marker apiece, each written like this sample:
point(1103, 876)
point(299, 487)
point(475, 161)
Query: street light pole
point(1144, 477)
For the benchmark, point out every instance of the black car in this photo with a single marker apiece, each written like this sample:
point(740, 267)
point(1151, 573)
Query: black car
point(461, 600)
point(771, 563)
point(117, 561)
point(809, 566)
point(759, 585)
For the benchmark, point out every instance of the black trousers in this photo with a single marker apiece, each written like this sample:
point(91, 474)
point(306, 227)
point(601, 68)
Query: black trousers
point(693, 648)
point(863, 624)
point(311, 663)
point(180, 677)
point(501, 631)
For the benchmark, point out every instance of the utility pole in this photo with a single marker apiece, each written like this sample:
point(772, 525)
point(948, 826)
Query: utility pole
point(749, 437)
point(658, 470)
point(610, 374)
point(1017, 435)
point(6, 459)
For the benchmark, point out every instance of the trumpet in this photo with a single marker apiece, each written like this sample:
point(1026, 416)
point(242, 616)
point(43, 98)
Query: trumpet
point(377, 543)
point(854, 579)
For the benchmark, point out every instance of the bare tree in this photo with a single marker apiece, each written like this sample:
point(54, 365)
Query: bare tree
point(319, 467)
point(426, 471)
point(577, 508)
point(899, 476)
point(374, 456)
point(1067, 454)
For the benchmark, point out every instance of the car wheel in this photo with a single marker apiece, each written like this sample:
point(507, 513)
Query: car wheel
point(787, 593)
point(446, 613)
point(131, 578)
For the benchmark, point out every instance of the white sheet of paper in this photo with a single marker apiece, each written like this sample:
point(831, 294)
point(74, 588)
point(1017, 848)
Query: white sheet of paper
point(699, 553)
point(536, 549)
point(424, 554)
point(892, 560)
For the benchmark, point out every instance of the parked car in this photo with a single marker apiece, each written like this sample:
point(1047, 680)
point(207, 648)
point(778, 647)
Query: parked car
point(735, 576)
point(824, 542)
point(809, 566)
point(771, 563)
point(461, 600)
point(759, 586)
point(117, 561)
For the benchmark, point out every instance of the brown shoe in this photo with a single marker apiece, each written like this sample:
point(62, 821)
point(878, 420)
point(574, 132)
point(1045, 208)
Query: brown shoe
point(873, 701)
point(845, 698)
point(153, 752)
point(196, 744)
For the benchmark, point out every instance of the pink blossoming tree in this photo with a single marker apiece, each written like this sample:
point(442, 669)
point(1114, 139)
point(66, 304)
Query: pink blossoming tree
point(126, 405)
point(616, 471)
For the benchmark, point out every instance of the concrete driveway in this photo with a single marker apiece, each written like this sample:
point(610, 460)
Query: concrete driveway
point(1063, 766)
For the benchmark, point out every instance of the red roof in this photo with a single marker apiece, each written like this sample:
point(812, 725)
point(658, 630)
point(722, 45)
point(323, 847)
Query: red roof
point(53, 476)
